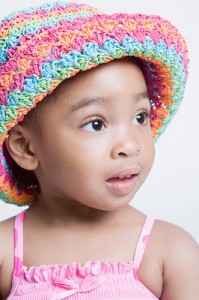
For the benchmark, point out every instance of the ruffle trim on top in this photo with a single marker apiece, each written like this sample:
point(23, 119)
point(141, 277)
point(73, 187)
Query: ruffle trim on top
point(46, 273)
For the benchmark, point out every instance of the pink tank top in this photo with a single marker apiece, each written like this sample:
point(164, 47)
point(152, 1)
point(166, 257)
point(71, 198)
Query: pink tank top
point(93, 281)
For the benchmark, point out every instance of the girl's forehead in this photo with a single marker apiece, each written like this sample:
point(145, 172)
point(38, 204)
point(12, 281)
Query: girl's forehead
point(113, 75)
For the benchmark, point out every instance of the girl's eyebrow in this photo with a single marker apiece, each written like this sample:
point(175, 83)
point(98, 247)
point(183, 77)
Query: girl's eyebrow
point(142, 95)
point(86, 102)
point(99, 100)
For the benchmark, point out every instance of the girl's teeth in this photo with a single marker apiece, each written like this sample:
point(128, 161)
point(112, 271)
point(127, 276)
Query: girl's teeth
point(127, 176)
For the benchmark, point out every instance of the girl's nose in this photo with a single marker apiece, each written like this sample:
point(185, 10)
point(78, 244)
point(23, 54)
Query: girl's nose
point(126, 145)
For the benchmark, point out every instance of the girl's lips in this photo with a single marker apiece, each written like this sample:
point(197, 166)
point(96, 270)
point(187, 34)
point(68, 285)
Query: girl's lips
point(123, 182)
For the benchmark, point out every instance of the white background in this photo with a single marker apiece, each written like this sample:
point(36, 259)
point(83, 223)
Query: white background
point(171, 192)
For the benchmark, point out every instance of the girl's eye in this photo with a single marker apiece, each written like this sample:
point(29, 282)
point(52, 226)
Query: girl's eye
point(94, 125)
point(142, 118)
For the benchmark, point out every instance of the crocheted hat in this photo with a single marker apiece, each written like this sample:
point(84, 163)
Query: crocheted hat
point(41, 46)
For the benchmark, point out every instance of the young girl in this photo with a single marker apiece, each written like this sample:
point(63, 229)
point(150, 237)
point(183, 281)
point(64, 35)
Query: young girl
point(83, 150)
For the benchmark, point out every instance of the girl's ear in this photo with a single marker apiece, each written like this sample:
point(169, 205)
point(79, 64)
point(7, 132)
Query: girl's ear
point(21, 149)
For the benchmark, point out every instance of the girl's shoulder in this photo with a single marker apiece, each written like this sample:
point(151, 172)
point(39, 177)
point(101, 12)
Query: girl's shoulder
point(6, 235)
point(6, 253)
point(6, 240)
point(180, 257)
point(172, 236)
point(173, 242)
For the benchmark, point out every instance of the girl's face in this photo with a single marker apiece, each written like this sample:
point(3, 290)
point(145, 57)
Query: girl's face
point(96, 146)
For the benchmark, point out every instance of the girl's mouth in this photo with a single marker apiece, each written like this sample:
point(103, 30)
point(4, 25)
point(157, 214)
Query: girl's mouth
point(124, 182)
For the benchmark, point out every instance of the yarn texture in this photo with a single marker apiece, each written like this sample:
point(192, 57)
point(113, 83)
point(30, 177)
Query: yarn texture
point(44, 45)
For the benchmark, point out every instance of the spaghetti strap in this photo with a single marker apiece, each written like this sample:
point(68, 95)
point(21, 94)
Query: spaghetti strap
point(18, 243)
point(142, 242)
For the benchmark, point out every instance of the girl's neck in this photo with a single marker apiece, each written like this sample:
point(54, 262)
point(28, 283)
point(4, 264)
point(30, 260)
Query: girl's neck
point(75, 214)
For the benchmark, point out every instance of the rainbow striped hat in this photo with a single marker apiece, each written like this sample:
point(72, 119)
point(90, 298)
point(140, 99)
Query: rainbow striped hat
point(44, 45)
